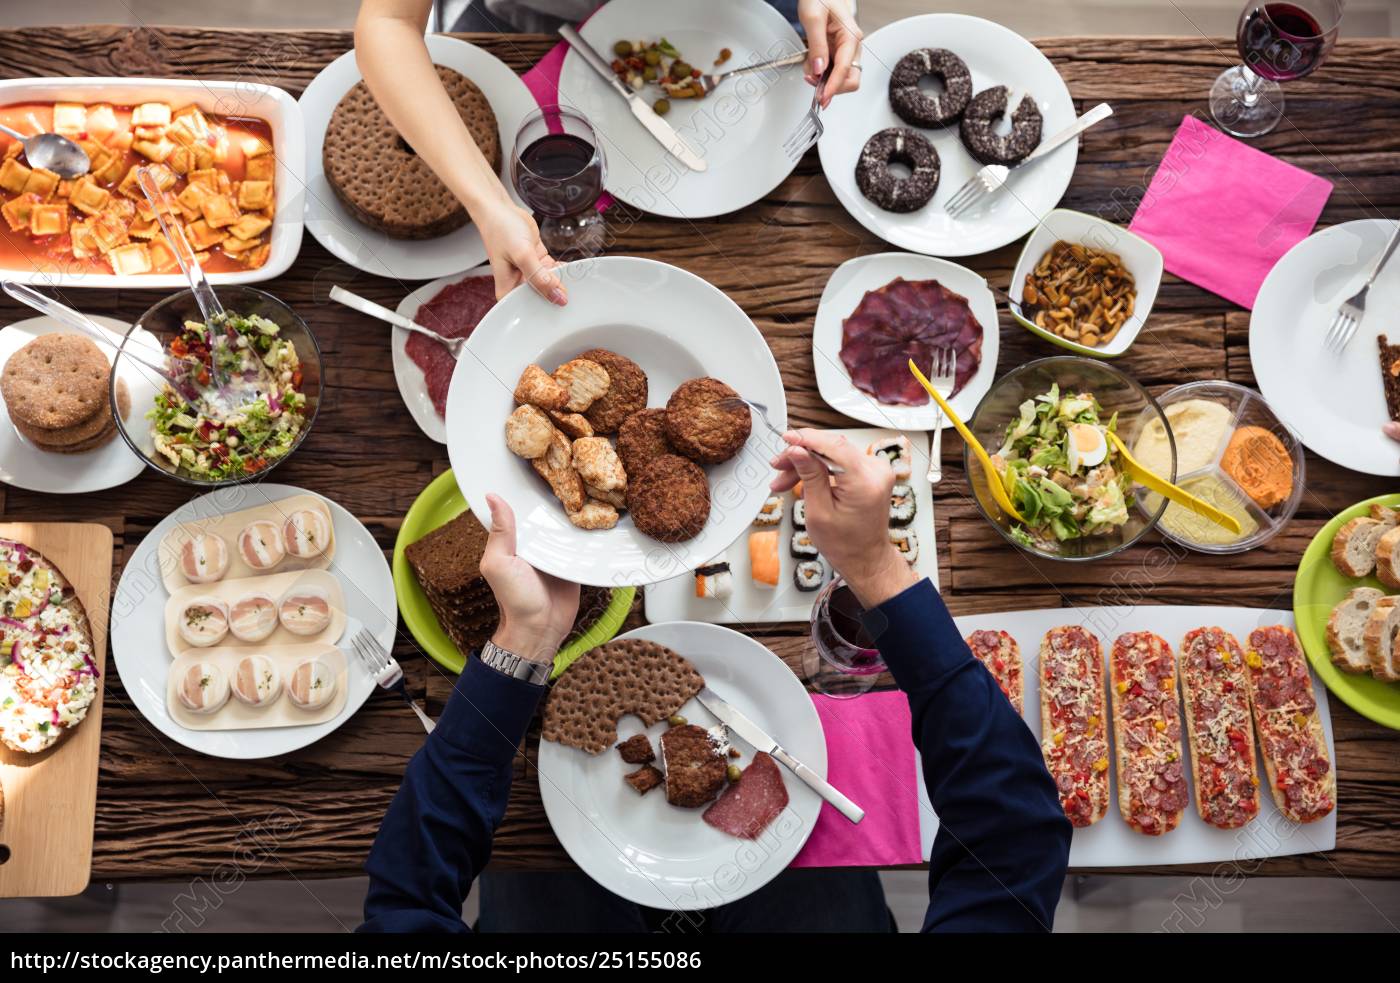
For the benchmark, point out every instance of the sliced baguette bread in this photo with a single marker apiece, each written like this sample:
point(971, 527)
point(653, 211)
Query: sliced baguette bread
point(1388, 559)
point(1380, 640)
point(1354, 546)
point(1346, 629)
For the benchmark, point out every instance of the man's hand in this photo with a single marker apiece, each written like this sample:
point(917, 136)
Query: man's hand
point(516, 253)
point(831, 34)
point(537, 610)
point(847, 515)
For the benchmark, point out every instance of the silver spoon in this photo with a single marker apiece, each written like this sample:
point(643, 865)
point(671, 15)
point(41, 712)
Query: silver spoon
point(358, 303)
point(53, 153)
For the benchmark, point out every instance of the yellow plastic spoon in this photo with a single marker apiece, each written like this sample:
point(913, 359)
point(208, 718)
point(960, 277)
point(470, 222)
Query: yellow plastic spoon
point(993, 478)
point(1170, 491)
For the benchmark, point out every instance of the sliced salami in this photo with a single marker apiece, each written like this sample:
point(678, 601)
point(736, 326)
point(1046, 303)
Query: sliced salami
point(1301, 777)
point(1001, 655)
point(1147, 728)
point(749, 805)
point(1074, 721)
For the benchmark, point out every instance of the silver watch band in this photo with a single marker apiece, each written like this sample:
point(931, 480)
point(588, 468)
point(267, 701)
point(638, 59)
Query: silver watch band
point(514, 666)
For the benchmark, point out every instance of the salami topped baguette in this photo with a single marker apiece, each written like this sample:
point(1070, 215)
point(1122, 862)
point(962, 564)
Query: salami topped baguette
point(1074, 721)
point(1290, 732)
point(1219, 727)
point(1001, 655)
point(1147, 731)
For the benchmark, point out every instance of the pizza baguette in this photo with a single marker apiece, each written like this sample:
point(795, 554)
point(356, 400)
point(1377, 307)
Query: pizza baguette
point(1001, 655)
point(1074, 721)
point(1291, 737)
point(1219, 728)
point(1147, 733)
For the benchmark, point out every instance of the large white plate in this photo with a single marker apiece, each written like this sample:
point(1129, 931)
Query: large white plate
point(1334, 402)
point(138, 625)
point(738, 129)
point(1110, 842)
point(374, 252)
point(675, 600)
point(676, 327)
point(25, 466)
point(661, 856)
point(995, 55)
point(845, 289)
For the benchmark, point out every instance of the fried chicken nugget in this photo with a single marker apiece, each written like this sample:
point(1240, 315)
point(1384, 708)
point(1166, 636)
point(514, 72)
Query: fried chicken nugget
point(616, 498)
point(584, 380)
point(598, 464)
point(528, 432)
point(594, 515)
point(538, 388)
point(555, 467)
point(574, 425)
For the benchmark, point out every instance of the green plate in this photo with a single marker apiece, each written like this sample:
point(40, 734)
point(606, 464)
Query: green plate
point(438, 504)
point(1317, 589)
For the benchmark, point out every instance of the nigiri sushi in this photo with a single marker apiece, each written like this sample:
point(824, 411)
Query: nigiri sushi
point(764, 564)
point(714, 580)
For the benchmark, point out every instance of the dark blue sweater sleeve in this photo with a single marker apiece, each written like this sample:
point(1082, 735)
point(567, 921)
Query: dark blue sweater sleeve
point(436, 836)
point(999, 858)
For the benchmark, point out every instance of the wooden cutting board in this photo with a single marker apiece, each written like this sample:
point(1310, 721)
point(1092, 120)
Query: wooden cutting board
point(51, 797)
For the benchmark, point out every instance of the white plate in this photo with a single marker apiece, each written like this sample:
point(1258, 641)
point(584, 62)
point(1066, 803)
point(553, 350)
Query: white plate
point(995, 55)
point(1111, 842)
point(675, 600)
point(659, 855)
point(138, 623)
point(676, 327)
point(738, 129)
point(25, 466)
point(240, 98)
point(374, 252)
point(413, 385)
point(1334, 402)
point(845, 289)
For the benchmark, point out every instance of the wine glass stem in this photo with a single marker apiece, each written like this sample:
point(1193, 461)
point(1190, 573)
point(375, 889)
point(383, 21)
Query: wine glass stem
point(1252, 84)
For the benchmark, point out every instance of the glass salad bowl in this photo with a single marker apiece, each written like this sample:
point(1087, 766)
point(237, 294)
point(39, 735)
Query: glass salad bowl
point(1053, 531)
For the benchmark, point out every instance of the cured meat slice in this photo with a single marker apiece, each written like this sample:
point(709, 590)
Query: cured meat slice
point(437, 364)
point(749, 805)
point(907, 319)
point(453, 312)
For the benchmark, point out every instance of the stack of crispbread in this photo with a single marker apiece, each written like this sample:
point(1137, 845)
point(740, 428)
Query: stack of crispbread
point(57, 390)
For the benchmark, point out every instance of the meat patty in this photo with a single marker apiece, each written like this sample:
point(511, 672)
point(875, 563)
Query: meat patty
point(627, 390)
point(702, 430)
point(670, 499)
point(642, 439)
point(695, 772)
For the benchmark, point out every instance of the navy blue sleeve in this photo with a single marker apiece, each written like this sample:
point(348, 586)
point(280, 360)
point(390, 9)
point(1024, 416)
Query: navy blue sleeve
point(436, 836)
point(999, 858)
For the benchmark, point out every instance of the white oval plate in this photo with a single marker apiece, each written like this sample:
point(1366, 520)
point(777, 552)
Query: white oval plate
point(738, 129)
point(413, 385)
point(357, 244)
point(844, 291)
point(659, 855)
point(138, 623)
point(995, 55)
point(1334, 402)
point(25, 466)
point(676, 327)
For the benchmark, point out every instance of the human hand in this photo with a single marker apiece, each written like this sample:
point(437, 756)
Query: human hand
point(831, 34)
point(847, 514)
point(537, 610)
point(1391, 430)
point(516, 253)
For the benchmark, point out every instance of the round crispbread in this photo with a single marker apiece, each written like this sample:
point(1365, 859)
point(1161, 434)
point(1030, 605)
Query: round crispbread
point(55, 382)
point(628, 676)
point(88, 435)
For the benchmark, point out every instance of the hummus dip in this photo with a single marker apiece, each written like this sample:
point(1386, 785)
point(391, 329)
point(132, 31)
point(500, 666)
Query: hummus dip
point(1199, 427)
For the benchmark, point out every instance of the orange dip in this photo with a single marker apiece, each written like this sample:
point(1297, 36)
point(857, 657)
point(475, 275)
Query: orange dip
point(1260, 464)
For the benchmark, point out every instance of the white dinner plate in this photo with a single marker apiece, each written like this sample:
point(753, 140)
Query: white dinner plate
point(413, 385)
point(25, 466)
point(845, 289)
point(355, 243)
point(676, 327)
point(662, 856)
point(138, 623)
point(1334, 402)
point(738, 128)
point(995, 55)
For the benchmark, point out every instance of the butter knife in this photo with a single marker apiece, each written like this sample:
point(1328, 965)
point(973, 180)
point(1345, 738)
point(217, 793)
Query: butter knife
point(760, 741)
point(655, 125)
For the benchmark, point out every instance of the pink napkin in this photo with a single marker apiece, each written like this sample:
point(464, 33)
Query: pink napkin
point(1222, 213)
point(870, 757)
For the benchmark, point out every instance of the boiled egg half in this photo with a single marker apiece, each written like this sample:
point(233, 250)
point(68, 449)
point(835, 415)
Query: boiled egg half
point(1086, 446)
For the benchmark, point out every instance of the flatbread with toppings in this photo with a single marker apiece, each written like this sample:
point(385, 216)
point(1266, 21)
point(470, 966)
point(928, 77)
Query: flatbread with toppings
point(1301, 778)
point(1147, 731)
point(1074, 721)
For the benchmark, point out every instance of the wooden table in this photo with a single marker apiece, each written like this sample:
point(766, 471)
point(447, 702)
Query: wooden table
point(164, 812)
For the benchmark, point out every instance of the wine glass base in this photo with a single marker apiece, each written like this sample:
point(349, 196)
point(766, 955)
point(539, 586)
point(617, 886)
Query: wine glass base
point(1243, 112)
point(830, 681)
point(576, 237)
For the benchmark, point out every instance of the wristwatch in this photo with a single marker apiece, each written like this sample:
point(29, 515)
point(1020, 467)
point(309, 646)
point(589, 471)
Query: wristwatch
point(514, 666)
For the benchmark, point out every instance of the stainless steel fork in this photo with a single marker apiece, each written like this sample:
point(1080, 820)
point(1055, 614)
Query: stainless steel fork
point(734, 402)
point(809, 130)
point(386, 672)
point(708, 82)
point(942, 376)
point(1353, 309)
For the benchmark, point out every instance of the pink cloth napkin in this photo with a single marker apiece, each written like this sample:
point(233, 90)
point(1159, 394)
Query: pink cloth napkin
point(870, 757)
point(1223, 213)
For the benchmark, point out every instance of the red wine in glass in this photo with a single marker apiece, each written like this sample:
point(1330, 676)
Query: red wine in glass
point(1281, 41)
point(848, 661)
point(558, 170)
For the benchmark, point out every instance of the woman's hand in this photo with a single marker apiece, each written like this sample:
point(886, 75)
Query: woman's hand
point(516, 253)
point(537, 610)
point(834, 38)
point(848, 514)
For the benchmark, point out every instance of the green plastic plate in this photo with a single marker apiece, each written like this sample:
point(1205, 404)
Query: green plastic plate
point(1317, 589)
point(438, 504)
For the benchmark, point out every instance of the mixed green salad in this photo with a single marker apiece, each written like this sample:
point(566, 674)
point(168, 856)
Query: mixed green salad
point(248, 418)
point(1060, 470)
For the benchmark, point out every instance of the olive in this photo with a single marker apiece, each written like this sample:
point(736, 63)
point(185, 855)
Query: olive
point(622, 49)
point(676, 720)
point(649, 73)
point(662, 107)
point(679, 70)
point(733, 773)
point(652, 57)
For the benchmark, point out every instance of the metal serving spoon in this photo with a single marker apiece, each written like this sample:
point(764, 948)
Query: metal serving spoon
point(53, 153)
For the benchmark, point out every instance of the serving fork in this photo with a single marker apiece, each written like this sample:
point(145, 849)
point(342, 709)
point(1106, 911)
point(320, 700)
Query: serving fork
point(355, 302)
point(1353, 309)
point(708, 82)
point(942, 376)
point(734, 402)
point(809, 130)
point(386, 672)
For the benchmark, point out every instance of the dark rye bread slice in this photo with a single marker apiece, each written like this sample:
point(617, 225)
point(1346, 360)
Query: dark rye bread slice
point(448, 559)
point(378, 177)
point(1390, 375)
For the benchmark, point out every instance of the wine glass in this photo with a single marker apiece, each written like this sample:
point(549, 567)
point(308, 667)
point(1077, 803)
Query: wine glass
point(1278, 42)
point(558, 168)
point(846, 661)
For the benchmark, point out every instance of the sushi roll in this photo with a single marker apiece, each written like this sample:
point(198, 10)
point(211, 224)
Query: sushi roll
point(253, 616)
point(802, 546)
point(763, 558)
point(808, 575)
point(771, 514)
point(306, 533)
point(312, 684)
point(203, 622)
point(902, 505)
point(713, 580)
point(907, 543)
point(204, 558)
point(897, 452)
point(261, 544)
point(305, 611)
point(256, 681)
point(203, 688)
point(799, 513)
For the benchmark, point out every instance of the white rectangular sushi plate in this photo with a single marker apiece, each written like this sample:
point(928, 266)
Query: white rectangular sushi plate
point(675, 600)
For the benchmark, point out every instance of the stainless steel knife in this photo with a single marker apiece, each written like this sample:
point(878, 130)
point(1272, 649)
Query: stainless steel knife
point(655, 125)
point(760, 741)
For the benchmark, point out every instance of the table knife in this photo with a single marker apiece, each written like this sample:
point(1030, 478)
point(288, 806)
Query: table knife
point(655, 125)
point(760, 741)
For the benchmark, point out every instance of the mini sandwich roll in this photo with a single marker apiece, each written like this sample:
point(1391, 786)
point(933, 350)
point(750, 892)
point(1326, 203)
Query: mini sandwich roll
point(306, 533)
point(203, 688)
point(261, 544)
point(257, 681)
point(305, 610)
point(253, 616)
point(312, 684)
point(204, 622)
point(204, 558)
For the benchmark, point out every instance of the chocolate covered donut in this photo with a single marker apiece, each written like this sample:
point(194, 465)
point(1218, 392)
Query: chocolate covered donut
point(978, 128)
point(919, 108)
point(876, 181)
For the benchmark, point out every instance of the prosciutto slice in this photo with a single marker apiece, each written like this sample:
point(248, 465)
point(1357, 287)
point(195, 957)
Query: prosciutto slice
point(907, 319)
point(453, 312)
point(750, 804)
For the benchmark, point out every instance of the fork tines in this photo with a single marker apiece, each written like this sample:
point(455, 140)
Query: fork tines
point(985, 182)
point(368, 649)
point(1340, 332)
